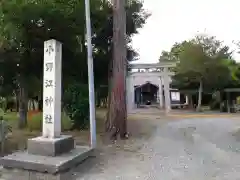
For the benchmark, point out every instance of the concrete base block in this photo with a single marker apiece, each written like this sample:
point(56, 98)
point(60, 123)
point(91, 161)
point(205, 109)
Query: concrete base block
point(50, 147)
point(21, 174)
point(25, 166)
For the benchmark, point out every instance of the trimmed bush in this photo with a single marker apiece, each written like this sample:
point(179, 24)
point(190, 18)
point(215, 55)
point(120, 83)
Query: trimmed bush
point(76, 104)
point(35, 122)
point(66, 122)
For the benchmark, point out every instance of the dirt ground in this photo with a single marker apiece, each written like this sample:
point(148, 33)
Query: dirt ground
point(17, 140)
point(177, 146)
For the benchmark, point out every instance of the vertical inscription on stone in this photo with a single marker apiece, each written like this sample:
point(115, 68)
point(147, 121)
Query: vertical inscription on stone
point(48, 83)
point(51, 86)
point(49, 66)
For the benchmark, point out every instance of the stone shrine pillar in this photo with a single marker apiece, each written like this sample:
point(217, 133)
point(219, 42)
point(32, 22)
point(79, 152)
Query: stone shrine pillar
point(52, 89)
point(52, 155)
point(52, 93)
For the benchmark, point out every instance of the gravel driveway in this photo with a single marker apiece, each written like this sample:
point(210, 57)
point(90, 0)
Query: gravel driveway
point(187, 149)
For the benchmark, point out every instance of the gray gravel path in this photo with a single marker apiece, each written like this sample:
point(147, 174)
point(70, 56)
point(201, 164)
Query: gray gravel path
point(190, 149)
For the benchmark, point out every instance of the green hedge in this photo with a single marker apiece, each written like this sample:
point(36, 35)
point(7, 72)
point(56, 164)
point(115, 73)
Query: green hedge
point(76, 105)
point(35, 122)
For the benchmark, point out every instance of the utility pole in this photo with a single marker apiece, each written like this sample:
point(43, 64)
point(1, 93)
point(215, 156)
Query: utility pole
point(91, 90)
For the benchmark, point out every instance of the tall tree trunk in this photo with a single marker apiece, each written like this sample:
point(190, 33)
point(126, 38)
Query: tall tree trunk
point(200, 90)
point(117, 114)
point(23, 107)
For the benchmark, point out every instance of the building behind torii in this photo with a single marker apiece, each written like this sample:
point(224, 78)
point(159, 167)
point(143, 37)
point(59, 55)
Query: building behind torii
point(154, 77)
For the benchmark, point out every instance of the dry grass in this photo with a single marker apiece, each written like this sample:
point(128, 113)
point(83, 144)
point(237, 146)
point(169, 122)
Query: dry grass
point(18, 138)
point(139, 127)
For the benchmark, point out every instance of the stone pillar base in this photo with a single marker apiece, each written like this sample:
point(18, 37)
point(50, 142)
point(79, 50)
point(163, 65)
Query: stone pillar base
point(50, 147)
point(21, 174)
point(25, 166)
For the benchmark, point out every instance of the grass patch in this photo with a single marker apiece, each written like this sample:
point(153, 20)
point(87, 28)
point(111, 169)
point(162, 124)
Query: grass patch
point(34, 122)
point(9, 116)
point(18, 138)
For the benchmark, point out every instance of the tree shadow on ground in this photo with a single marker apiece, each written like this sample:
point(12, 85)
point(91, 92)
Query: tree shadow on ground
point(109, 152)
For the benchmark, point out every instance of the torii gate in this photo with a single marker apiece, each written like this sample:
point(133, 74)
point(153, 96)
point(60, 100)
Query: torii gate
point(158, 74)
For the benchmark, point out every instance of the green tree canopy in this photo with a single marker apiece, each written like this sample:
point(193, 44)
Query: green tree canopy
point(26, 24)
point(201, 62)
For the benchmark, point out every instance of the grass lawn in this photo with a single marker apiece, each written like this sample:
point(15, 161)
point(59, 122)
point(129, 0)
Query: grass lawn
point(139, 127)
point(9, 116)
point(18, 138)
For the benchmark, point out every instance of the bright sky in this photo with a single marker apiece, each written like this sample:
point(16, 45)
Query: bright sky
point(176, 20)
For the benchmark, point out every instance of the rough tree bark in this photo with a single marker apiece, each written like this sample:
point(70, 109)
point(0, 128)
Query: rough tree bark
point(117, 114)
